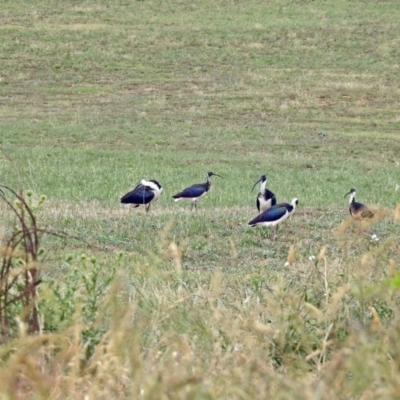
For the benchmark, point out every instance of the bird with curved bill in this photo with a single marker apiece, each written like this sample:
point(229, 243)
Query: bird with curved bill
point(265, 198)
point(358, 211)
point(145, 193)
point(275, 215)
point(195, 191)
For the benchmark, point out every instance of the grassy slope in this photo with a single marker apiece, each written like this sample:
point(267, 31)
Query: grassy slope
point(97, 95)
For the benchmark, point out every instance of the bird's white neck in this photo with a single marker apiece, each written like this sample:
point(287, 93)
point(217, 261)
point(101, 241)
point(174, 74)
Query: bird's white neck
point(352, 197)
point(262, 187)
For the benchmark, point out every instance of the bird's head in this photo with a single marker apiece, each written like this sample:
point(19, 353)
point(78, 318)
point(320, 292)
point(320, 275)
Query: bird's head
point(152, 184)
point(352, 192)
point(263, 178)
point(156, 183)
point(210, 174)
point(294, 203)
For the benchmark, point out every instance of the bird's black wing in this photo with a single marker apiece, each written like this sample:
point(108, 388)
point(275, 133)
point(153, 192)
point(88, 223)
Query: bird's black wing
point(140, 195)
point(270, 215)
point(191, 192)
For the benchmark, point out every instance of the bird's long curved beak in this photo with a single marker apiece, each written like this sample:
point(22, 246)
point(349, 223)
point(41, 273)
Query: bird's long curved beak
point(347, 194)
point(256, 184)
point(218, 175)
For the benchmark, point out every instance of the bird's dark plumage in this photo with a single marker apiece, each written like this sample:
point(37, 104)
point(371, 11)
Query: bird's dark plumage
point(145, 193)
point(273, 216)
point(195, 191)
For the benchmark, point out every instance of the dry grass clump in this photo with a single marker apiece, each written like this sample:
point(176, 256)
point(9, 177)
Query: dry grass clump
point(323, 329)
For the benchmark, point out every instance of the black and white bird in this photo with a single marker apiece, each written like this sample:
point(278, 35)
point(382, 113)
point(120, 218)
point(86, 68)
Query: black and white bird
point(265, 199)
point(275, 215)
point(195, 191)
point(358, 211)
point(145, 193)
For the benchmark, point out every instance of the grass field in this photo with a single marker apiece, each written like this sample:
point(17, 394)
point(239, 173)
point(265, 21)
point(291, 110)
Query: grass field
point(174, 304)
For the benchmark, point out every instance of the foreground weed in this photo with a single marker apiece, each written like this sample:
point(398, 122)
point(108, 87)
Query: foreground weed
point(20, 267)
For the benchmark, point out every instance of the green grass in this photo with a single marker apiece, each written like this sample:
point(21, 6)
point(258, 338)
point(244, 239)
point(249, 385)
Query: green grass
point(98, 95)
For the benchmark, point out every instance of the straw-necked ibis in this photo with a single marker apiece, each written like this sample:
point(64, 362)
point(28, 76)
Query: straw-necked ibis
point(265, 199)
point(145, 193)
point(273, 216)
point(195, 191)
point(357, 210)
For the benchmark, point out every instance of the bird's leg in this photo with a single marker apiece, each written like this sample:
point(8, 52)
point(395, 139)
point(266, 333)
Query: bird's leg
point(360, 227)
point(290, 221)
point(147, 207)
point(276, 231)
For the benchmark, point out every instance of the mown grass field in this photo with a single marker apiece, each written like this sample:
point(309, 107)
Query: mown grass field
point(97, 95)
